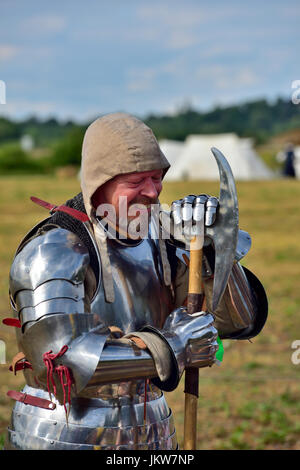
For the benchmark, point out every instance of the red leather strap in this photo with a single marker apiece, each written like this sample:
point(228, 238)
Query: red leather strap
point(62, 371)
point(31, 400)
point(68, 210)
point(73, 212)
point(12, 322)
point(42, 203)
point(20, 366)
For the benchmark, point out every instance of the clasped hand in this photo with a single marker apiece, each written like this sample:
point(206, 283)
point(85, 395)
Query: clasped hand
point(191, 214)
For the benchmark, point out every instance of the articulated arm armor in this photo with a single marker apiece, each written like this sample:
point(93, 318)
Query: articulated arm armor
point(49, 289)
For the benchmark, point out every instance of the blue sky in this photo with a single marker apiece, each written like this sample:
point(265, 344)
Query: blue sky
point(79, 59)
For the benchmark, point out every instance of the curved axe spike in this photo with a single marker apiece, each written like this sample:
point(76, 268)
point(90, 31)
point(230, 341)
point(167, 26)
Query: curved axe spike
point(224, 232)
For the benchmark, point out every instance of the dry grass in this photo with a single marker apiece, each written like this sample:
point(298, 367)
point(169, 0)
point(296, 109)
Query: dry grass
point(253, 400)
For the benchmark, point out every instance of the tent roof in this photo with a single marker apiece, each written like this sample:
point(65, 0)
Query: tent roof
point(171, 148)
point(195, 160)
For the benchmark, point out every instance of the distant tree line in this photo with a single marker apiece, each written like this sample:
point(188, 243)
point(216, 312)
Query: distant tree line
point(258, 119)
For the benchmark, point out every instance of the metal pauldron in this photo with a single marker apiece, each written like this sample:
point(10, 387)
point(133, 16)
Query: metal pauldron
point(239, 315)
point(47, 276)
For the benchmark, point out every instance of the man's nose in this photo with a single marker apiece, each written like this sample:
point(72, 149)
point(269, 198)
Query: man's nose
point(149, 189)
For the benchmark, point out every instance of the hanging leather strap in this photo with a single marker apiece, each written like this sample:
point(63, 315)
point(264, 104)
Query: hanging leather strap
point(19, 363)
point(12, 322)
point(31, 400)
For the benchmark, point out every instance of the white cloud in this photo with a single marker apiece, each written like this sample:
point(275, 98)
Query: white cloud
point(8, 51)
point(182, 39)
point(290, 11)
point(186, 15)
point(172, 15)
point(225, 77)
point(44, 24)
point(141, 79)
point(242, 78)
point(145, 78)
point(21, 108)
point(231, 48)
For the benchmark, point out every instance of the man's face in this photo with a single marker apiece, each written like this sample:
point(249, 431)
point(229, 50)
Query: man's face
point(141, 188)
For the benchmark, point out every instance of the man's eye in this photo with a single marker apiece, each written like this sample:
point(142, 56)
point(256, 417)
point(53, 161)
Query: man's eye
point(135, 182)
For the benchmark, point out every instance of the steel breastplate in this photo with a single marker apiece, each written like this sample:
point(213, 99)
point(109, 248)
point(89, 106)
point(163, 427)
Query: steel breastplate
point(140, 294)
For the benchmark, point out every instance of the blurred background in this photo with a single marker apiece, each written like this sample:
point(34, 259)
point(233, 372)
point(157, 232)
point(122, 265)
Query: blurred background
point(200, 74)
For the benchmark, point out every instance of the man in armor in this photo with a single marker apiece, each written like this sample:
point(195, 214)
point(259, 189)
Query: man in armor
point(102, 327)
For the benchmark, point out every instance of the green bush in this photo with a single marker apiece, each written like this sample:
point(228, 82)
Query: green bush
point(67, 151)
point(14, 160)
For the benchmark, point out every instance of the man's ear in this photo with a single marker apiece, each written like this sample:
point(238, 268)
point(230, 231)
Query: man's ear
point(96, 198)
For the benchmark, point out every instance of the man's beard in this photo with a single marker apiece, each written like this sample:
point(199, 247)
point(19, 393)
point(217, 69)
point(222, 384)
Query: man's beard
point(137, 218)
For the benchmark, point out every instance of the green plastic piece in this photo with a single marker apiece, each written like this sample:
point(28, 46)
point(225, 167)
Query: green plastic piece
point(220, 352)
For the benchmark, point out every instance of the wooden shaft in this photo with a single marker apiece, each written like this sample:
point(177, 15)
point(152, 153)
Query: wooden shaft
point(195, 274)
point(190, 419)
point(191, 390)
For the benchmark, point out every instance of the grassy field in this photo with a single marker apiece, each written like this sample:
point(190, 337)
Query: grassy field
point(252, 401)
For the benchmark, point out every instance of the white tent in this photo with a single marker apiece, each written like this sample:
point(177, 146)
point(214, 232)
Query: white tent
point(172, 149)
point(196, 161)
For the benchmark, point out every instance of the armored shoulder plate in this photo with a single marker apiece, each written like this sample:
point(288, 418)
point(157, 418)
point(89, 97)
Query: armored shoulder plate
point(47, 275)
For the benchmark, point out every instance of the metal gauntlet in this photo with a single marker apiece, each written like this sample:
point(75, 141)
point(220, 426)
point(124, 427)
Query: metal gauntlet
point(191, 341)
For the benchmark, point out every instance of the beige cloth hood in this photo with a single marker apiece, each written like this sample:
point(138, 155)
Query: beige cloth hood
point(115, 144)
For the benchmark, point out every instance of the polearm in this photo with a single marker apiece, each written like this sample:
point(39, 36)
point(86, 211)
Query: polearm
point(224, 233)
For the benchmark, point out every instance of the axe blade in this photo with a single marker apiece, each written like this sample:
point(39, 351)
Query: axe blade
point(224, 232)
